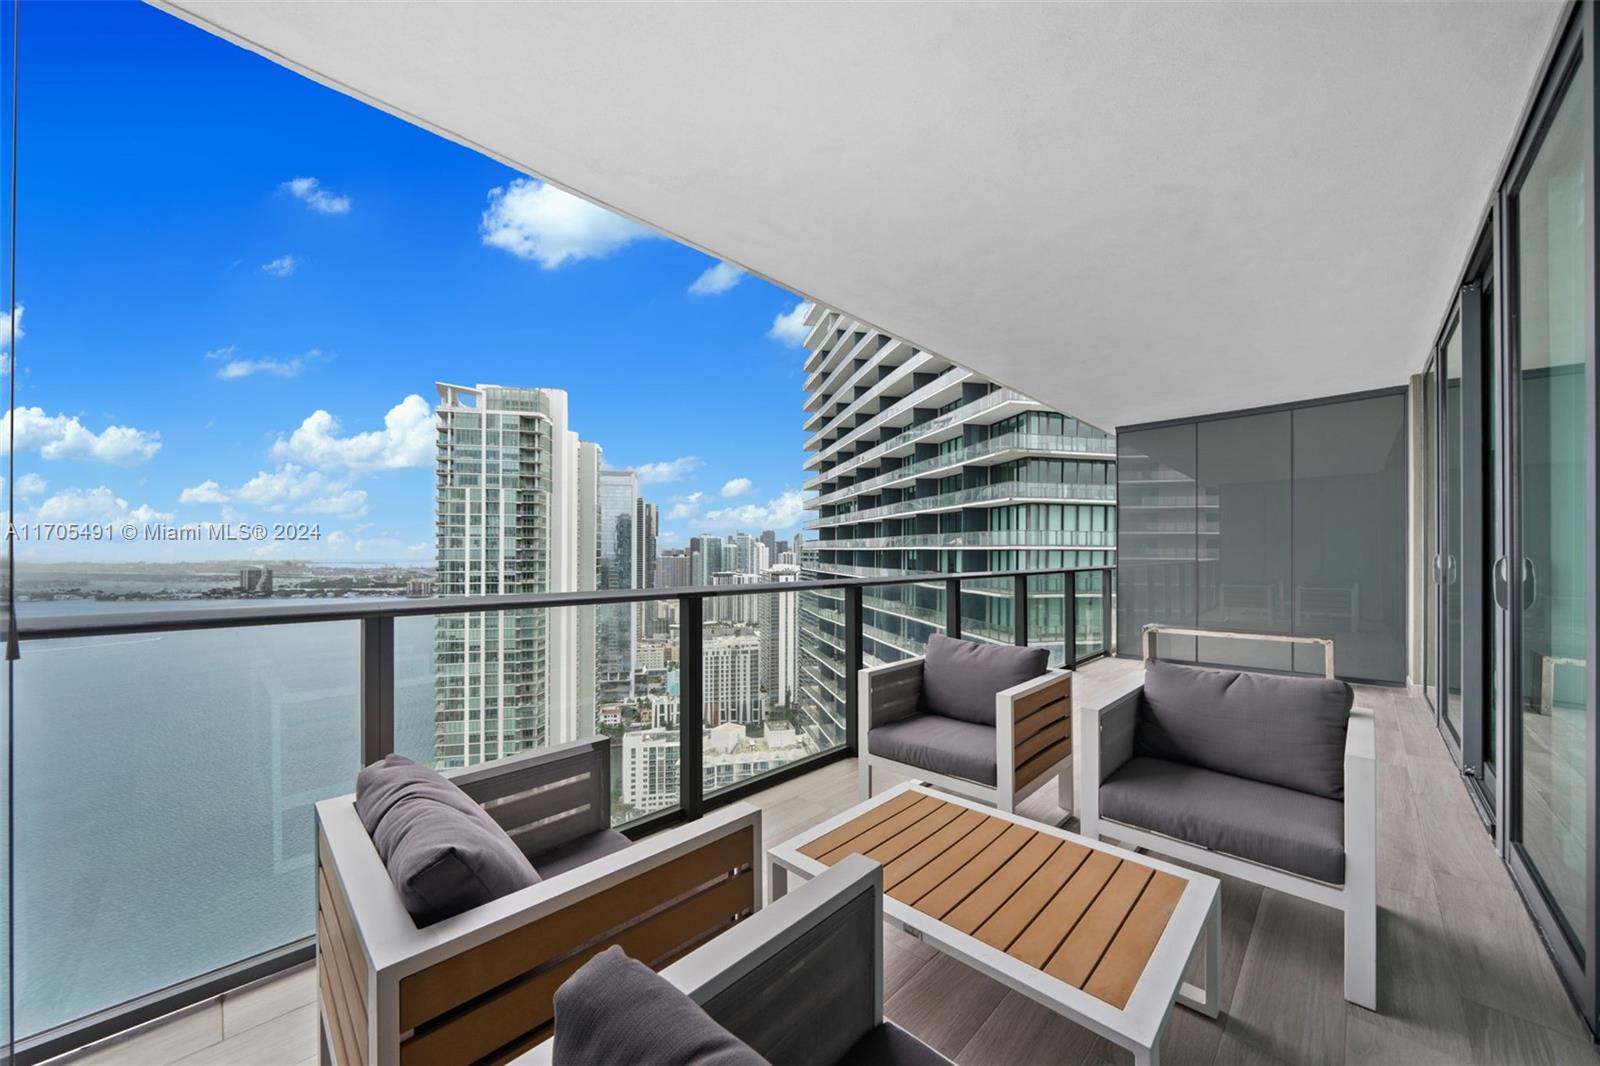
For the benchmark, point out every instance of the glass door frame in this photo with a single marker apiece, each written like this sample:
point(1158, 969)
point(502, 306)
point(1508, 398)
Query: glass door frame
point(1575, 957)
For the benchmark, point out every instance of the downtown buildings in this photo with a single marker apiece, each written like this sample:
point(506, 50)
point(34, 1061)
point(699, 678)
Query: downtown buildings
point(922, 466)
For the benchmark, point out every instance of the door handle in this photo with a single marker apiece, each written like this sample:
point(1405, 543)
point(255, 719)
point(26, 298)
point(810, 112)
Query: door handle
point(1502, 583)
point(1530, 583)
point(1451, 571)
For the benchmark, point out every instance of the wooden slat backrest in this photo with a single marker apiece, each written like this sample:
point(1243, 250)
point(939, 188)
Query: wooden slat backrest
point(447, 985)
point(1041, 730)
point(514, 1012)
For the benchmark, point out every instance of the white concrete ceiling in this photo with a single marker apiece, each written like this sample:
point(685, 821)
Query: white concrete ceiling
point(1128, 211)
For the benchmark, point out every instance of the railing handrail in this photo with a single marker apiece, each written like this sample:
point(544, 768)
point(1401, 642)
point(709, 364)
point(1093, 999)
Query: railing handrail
point(167, 620)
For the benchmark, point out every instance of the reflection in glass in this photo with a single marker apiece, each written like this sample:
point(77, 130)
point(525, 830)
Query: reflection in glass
point(1550, 230)
point(1244, 565)
point(1349, 535)
point(1156, 551)
point(1430, 519)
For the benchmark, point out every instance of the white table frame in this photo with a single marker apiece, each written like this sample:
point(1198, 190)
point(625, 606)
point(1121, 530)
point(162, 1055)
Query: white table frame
point(1195, 924)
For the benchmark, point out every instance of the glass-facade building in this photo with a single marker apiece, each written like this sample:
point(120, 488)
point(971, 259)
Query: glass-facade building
point(616, 625)
point(921, 466)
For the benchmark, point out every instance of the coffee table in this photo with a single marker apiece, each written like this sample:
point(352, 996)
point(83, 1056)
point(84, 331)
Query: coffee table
point(1099, 934)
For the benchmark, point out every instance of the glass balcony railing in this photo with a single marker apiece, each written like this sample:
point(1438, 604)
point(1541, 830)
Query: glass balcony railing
point(1046, 444)
point(1004, 491)
point(982, 538)
point(952, 376)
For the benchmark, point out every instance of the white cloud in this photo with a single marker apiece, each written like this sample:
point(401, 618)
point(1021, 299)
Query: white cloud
point(205, 492)
point(280, 267)
point(95, 505)
point(406, 440)
point(234, 369)
point(30, 485)
point(782, 512)
point(64, 437)
point(6, 322)
point(309, 191)
point(716, 280)
point(671, 470)
point(533, 220)
point(790, 326)
point(288, 488)
point(736, 487)
point(685, 506)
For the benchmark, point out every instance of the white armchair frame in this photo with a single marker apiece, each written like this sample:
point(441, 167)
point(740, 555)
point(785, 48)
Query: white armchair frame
point(481, 983)
point(1032, 734)
point(1105, 741)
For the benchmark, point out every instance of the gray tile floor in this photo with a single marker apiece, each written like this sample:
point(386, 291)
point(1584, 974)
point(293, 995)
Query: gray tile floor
point(1462, 975)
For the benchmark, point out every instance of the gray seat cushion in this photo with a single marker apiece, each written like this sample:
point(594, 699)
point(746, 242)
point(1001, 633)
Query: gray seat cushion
point(616, 1010)
point(575, 853)
point(444, 853)
point(961, 677)
point(939, 745)
point(1274, 826)
point(1287, 731)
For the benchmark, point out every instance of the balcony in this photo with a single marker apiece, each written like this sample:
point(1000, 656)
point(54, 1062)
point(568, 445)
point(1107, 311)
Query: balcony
point(998, 493)
point(1478, 991)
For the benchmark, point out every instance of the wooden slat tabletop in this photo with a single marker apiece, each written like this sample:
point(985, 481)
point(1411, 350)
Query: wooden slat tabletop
point(1082, 915)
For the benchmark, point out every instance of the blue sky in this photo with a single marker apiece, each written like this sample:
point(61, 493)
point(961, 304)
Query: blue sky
point(236, 283)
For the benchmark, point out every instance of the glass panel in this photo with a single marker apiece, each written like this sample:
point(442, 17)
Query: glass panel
point(1450, 567)
point(751, 728)
point(1551, 233)
point(1047, 617)
point(987, 608)
point(1491, 436)
point(1156, 560)
point(169, 831)
point(1349, 536)
point(1244, 467)
point(821, 672)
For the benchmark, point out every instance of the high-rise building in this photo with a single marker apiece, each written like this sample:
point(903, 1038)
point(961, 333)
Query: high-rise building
point(732, 674)
point(616, 625)
point(922, 466)
point(590, 462)
point(769, 537)
point(508, 496)
point(706, 557)
point(672, 568)
point(646, 525)
point(780, 640)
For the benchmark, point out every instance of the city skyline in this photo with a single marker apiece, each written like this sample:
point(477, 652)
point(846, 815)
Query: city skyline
point(276, 369)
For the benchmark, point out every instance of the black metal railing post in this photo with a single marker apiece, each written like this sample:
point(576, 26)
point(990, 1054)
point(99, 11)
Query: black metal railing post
point(1019, 610)
point(1105, 610)
point(691, 705)
point(852, 663)
point(1069, 617)
point(952, 607)
point(377, 688)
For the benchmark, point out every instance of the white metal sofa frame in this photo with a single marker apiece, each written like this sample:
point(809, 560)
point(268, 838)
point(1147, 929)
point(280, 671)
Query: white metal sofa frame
point(479, 986)
point(802, 980)
point(1112, 725)
point(1032, 731)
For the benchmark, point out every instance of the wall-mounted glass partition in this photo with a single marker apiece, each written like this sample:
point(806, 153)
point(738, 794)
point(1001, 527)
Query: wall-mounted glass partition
point(1287, 521)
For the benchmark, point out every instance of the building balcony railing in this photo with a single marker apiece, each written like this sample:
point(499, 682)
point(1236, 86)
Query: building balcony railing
point(1047, 445)
point(1000, 493)
point(916, 398)
point(894, 376)
point(981, 538)
point(275, 706)
point(911, 434)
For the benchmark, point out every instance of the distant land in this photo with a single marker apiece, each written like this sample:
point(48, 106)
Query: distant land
point(215, 579)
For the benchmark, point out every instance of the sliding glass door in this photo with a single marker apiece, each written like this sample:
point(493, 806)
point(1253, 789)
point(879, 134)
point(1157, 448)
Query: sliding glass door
point(1548, 211)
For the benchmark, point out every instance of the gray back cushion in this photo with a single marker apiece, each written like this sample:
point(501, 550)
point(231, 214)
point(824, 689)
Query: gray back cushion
point(1286, 731)
point(615, 1010)
point(444, 853)
point(961, 677)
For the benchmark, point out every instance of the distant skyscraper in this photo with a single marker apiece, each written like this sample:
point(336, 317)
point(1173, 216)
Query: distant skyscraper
point(617, 625)
point(672, 568)
point(590, 460)
point(507, 517)
point(707, 556)
point(780, 639)
point(770, 539)
point(647, 521)
point(732, 676)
